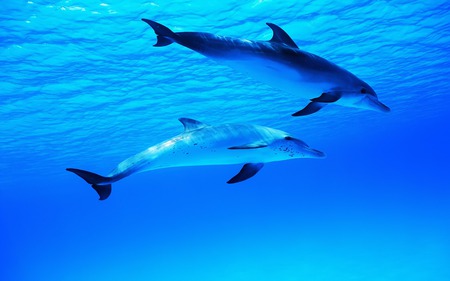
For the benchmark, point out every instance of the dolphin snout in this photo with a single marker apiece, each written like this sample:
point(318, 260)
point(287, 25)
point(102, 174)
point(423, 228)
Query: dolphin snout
point(373, 103)
point(317, 153)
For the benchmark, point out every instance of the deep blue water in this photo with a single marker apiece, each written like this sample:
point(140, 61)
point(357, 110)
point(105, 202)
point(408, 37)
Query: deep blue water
point(82, 86)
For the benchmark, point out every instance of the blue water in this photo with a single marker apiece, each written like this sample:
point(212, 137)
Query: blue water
point(82, 86)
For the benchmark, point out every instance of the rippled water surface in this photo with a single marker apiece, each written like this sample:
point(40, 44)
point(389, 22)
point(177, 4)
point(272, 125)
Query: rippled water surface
point(82, 86)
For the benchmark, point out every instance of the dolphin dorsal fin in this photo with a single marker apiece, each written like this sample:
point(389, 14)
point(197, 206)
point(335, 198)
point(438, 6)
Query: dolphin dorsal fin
point(191, 124)
point(280, 36)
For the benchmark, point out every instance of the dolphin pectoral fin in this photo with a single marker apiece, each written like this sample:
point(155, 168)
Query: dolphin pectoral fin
point(96, 181)
point(318, 103)
point(253, 145)
point(280, 36)
point(311, 108)
point(247, 171)
point(165, 36)
point(327, 98)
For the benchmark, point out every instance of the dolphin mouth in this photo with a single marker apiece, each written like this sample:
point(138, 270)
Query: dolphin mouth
point(317, 153)
point(374, 104)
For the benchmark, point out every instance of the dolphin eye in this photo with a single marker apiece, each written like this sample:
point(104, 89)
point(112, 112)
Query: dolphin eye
point(288, 138)
point(363, 91)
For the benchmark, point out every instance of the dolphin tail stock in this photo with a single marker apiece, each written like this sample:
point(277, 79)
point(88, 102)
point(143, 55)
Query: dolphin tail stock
point(165, 36)
point(101, 184)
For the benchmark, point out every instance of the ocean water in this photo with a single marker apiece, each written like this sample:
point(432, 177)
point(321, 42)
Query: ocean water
point(82, 86)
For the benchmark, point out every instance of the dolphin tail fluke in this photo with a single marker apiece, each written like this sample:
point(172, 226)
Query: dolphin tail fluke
point(99, 183)
point(311, 108)
point(165, 36)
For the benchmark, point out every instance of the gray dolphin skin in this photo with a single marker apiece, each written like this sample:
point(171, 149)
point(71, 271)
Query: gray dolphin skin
point(201, 144)
point(281, 64)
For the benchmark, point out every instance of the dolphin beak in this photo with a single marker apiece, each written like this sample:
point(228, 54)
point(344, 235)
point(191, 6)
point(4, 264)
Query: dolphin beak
point(372, 103)
point(314, 153)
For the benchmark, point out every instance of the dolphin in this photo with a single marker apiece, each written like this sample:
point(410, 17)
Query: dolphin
point(201, 144)
point(281, 64)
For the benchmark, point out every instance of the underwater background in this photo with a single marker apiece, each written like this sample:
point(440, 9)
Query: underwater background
point(81, 86)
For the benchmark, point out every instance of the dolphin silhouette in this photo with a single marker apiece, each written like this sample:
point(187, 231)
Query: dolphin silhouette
point(281, 64)
point(202, 144)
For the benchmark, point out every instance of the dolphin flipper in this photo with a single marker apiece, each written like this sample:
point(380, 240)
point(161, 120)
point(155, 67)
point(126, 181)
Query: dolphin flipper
point(103, 190)
point(311, 108)
point(247, 171)
point(254, 145)
point(318, 103)
point(165, 36)
point(327, 97)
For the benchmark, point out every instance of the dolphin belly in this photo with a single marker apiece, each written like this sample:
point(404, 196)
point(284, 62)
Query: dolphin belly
point(206, 156)
point(210, 148)
point(294, 80)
